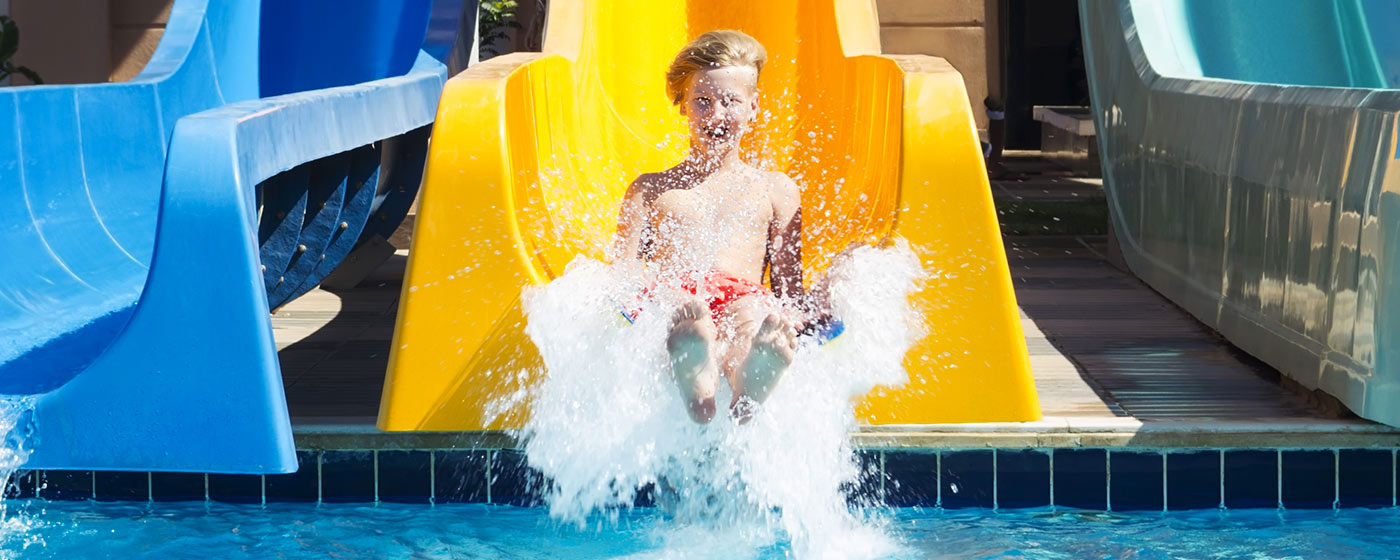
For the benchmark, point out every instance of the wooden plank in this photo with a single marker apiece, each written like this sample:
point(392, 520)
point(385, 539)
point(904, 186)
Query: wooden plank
point(1102, 345)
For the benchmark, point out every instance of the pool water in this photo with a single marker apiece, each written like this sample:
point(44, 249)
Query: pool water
point(205, 531)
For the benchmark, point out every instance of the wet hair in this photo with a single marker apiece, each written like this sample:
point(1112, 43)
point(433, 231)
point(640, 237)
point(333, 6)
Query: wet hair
point(716, 49)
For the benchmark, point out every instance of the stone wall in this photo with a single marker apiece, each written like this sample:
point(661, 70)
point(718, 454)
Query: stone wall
point(87, 41)
point(963, 31)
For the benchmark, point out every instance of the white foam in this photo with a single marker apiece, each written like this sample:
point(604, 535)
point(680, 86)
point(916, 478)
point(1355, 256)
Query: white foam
point(16, 528)
point(606, 418)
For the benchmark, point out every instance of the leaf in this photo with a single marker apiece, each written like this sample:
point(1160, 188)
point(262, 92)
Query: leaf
point(9, 38)
point(32, 75)
point(496, 17)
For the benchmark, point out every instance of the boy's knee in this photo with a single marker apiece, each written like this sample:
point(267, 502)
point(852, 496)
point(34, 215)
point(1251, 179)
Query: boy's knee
point(746, 319)
point(702, 410)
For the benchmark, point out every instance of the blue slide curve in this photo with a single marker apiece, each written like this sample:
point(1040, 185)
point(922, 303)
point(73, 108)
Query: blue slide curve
point(1250, 161)
point(150, 225)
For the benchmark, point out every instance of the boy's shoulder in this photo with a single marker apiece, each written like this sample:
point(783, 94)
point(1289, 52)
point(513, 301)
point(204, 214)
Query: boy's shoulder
point(649, 184)
point(657, 183)
point(781, 186)
point(662, 180)
point(780, 180)
point(648, 180)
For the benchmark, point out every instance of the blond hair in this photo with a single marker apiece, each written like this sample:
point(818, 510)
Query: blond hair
point(716, 49)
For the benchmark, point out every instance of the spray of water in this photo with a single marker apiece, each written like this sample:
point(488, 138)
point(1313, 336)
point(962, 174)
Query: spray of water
point(16, 529)
point(606, 419)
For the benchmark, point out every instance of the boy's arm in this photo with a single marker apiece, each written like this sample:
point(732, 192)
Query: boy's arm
point(632, 222)
point(785, 240)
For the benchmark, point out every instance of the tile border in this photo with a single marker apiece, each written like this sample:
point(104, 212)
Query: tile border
point(904, 478)
point(1050, 432)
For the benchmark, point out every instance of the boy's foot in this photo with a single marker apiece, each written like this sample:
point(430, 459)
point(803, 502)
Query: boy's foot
point(690, 343)
point(773, 349)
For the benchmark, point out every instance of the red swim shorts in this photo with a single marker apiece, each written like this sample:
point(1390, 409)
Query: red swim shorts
point(721, 289)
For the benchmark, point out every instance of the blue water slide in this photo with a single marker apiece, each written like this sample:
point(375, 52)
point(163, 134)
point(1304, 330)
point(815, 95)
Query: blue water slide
point(1249, 151)
point(141, 219)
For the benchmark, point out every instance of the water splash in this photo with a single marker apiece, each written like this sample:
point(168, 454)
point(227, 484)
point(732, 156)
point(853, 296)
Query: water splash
point(606, 419)
point(16, 423)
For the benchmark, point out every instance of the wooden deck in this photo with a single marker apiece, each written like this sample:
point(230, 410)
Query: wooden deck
point(1101, 344)
point(334, 347)
point(1110, 356)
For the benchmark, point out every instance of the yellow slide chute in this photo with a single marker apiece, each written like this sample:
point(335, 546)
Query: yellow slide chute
point(532, 152)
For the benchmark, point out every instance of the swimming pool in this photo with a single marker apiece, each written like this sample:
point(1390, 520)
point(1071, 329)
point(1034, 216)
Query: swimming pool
point(933, 503)
point(214, 530)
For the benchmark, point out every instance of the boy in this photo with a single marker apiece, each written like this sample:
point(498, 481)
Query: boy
point(712, 225)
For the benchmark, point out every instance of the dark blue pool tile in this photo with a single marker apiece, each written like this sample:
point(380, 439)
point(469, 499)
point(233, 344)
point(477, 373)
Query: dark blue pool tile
point(1135, 481)
point(1395, 484)
point(1251, 478)
point(299, 486)
point(1309, 479)
point(864, 491)
point(1193, 480)
point(646, 496)
point(405, 476)
point(122, 486)
point(514, 482)
point(1365, 477)
point(911, 478)
point(236, 488)
point(21, 485)
point(347, 476)
point(1081, 478)
point(1023, 478)
point(65, 485)
point(177, 487)
point(460, 475)
point(968, 479)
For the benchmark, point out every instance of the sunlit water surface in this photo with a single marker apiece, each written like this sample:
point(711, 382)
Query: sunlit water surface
point(70, 530)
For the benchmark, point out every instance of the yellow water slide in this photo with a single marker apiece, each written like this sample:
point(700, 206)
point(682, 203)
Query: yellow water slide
point(532, 152)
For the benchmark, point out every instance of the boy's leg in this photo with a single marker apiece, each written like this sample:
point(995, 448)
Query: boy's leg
point(691, 345)
point(762, 343)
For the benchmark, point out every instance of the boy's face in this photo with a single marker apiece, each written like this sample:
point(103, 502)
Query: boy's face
point(720, 103)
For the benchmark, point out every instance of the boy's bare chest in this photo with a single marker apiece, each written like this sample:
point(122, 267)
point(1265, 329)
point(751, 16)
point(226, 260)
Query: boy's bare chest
point(715, 209)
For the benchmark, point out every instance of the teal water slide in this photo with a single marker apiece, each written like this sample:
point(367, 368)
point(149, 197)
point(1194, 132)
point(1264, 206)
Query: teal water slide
point(148, 226)
point(1249, 151)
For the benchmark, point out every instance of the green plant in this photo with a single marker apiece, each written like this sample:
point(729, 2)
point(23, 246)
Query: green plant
point(496, 17)
point(9, 44)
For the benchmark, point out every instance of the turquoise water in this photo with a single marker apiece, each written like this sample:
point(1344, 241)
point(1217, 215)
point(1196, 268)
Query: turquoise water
point(124, 530)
